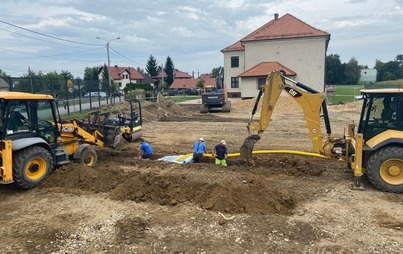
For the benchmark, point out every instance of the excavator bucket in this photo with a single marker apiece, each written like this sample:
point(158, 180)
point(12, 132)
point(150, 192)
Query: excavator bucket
point(247, 148)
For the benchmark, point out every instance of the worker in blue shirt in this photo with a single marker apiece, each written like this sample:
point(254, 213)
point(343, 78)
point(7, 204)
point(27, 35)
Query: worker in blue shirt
point(199, 148)
point(145, 150)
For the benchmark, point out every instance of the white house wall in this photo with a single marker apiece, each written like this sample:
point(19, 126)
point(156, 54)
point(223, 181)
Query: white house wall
point(233, 72)
point(305, 56)
point(249, 87)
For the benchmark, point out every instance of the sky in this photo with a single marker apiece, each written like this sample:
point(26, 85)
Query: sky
point(61, 35)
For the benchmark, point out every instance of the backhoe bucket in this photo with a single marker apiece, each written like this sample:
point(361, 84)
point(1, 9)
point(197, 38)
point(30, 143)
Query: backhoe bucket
point(247, 148)
point(114, 139)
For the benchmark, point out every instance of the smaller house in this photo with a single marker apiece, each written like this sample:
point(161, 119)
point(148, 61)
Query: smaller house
point(183, 84)
point(123, 76)
point(255, 77)
point(368, 76)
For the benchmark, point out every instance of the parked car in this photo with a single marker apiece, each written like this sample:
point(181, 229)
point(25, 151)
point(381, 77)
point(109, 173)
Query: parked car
point(96, 94)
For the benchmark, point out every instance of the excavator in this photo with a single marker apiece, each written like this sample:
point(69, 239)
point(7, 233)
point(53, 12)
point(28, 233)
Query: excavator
point(375, 149)
point(34, 139)
point(216, 97)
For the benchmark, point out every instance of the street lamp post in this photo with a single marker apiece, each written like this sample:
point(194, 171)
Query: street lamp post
point(109, 65)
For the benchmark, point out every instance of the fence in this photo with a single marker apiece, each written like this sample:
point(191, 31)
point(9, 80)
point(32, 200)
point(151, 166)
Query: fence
point(73, 95)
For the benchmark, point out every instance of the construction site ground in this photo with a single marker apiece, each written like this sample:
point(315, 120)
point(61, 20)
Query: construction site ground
point(283, 204)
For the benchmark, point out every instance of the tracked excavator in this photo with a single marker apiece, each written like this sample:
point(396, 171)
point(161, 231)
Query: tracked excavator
point(216, 97)
point(34, 139)
point(375, 149)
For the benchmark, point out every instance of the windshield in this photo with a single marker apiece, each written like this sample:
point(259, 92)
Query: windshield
point(381, 113)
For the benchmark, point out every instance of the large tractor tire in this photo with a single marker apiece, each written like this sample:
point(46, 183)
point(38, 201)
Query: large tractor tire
point(385, 169)
point(226, 107)
point(88, 157)
point(31, 166)
point(204, 108)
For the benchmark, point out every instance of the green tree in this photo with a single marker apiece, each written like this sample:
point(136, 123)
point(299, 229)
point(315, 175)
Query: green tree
point(139, 70)
point(91, 81)
point(56, 82)
point(216, 71)
point(391, 70)
point(152, 67)
point(3, 73)
point(169, 70)
point(352, 71)
point(334, 70)
point(66, 75)
point(200, 83)
point(105, 80)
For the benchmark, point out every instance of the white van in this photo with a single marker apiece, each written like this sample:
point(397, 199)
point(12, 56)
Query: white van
point(96, 94)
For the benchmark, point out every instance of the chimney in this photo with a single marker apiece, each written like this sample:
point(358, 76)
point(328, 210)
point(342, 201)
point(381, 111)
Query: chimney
point(275, 16)
point(116, 66)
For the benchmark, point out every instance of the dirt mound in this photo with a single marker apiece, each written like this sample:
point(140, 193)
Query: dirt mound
point(235, 189)
point(286, 104)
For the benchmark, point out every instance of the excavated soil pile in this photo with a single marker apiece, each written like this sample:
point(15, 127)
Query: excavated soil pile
point(286, 104)
point(151, 111)
point(235, 189)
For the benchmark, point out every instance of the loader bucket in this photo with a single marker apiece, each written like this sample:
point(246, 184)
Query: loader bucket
point(114, 139)
point(119, 143)
point(247, 148)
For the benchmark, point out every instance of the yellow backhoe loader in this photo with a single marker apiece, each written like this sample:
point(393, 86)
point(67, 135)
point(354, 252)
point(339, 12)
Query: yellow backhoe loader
point(34, 139)
point(376, 148)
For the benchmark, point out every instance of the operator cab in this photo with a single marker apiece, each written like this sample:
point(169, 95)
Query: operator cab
point(25, 115)
point(382, 111)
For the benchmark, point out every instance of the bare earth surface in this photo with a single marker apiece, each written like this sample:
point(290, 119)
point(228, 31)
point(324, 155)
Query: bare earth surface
point(285, 204)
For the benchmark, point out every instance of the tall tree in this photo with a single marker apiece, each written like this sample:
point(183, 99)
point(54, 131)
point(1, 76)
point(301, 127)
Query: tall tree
point(334, 70)
point(141, 71)
point(352, 72)
point(152, 67)
point(391, 70)
point(91, 81)
point(3, 73)
point(169, 70)
point(216, 71)
point(66, 75)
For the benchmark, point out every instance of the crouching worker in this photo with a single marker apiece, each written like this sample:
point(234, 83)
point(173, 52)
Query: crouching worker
point(199, 148)
point(145, 150)
point(220, 152)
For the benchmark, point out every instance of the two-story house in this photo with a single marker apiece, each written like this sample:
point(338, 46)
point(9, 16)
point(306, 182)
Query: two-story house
point(122, 76)
point(284, 43)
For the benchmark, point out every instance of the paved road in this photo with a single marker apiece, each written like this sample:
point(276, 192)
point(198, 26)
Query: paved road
point(75, 107)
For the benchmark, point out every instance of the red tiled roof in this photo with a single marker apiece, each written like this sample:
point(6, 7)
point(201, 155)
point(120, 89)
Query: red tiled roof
point(177, 74)
point(181, 74)
point(287, 26)
point(191, 83)
point(184, 83)
point(209, 81)
point(262, 69)
point(116, 72)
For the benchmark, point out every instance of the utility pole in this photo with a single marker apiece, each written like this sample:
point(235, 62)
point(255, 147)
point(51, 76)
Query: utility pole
point(109, 65)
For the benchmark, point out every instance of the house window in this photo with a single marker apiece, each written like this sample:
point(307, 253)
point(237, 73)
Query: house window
point(234, 61)
point(234, 82)
point(260, 83)
point(120, 84)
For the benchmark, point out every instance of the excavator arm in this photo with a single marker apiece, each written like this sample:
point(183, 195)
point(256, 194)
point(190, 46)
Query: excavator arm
point(311, 101)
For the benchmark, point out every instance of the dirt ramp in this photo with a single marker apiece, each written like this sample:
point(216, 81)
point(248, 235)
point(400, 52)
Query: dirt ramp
point(246, 194)
point(76, 177)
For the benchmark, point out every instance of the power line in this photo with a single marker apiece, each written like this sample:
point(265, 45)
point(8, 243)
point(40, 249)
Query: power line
point(50, 36)
point(125, 56)
point(42, 56)
point(38, 39)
